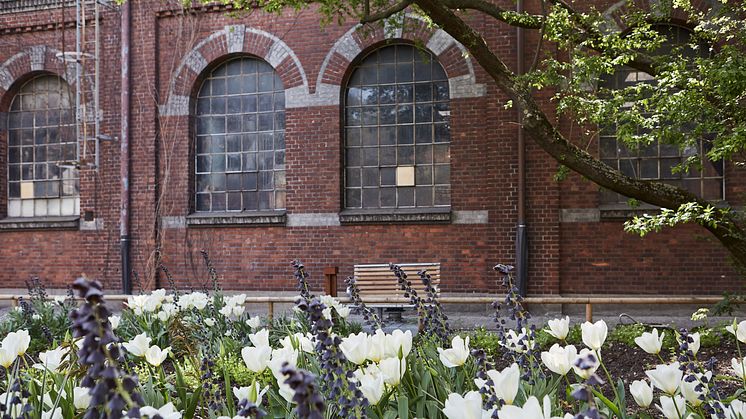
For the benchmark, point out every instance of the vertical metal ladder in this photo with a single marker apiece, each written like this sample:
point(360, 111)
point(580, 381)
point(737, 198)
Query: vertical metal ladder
point(87, 83)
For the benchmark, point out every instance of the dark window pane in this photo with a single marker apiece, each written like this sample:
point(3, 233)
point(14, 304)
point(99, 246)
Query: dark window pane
point(218, 202)
point(353, 177)
point(387, 136)
point(441, 174)
point(405, 197)
point(388, 156)
point(388, 197)
point(203, 202)
point(353, 198)
point(234, 201)
point(370, 136)
point(370, 198)
point(370, 176)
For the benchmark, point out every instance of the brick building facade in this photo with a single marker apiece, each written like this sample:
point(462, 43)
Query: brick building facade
point(576, 244)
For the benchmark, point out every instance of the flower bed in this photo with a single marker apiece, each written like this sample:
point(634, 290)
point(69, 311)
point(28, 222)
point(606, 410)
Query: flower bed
point(177, 355)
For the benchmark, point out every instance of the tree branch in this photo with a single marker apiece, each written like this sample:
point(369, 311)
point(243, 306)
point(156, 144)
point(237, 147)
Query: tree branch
point(383, 14)
point(523, 20)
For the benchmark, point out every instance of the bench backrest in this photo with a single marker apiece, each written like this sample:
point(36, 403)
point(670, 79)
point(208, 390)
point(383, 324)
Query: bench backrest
point(378, 280)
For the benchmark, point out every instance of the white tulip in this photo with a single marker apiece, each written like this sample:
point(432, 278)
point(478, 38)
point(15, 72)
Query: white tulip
point(393, 370)
point(260, 338)
point(138, 346)
point(167, 411)
point(136, 303)
point(650, 342)
point(210, 322)
point(689, 389)
point(238, 310)
point(666, 377)
point(286, 391)
point(51, 359)
point(226, 311)
point(82, 397)
point(398, 341)
point(254, 322)
point(559, 360)
point(530, 410)
point(343, 311)
point(559, 328)
point(642, 393)
point(256, 358)
point(356, 347)
point(739, 367)
point(114, 320)
point(7, 357)
point(250, 393)
point(672, 408)
point(279, 358)
point(736, 410)
point(377, 346)
point(298, 341)
point(457, 354)
point(588, 372)
point(506, 382)
point(155, 356)
point(372, 387)
point(17, 342)
point(327, 313)
point(594, 334)
point(466, 407)
point(738, 330)
point(52, 414)
point(154, 300)
point(199, 300)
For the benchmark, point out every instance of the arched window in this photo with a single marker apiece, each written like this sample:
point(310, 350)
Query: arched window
point(656, 161)
point(240, 143)
point(42, 150)
point(397, 131)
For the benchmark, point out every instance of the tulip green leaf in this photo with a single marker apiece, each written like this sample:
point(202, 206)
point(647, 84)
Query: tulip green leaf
point(608, 403)
point(403, 406)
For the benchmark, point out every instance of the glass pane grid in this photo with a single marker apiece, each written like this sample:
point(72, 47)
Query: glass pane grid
point(42, 150)
point(655, 161)
point(397, 115)
point(240, 143)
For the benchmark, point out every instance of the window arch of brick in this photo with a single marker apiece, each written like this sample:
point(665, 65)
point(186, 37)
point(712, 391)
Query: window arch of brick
point(239, 145)
point(42, 178)
point(656, 161)
point(396, 124)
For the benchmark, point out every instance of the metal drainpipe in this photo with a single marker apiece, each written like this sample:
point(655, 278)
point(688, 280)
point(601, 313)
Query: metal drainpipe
point(124, 150)
point(521, 239)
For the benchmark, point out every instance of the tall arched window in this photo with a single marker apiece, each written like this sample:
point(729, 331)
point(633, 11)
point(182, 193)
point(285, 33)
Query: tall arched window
point(240, 143)
point(656, 161)
point(42, 150)
point(396, 131)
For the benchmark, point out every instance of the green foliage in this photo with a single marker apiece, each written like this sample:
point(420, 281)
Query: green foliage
point(47, 322)
point(691, 212)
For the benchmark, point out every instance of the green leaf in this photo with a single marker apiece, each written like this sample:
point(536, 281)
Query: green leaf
point(607, 402)
point(403, 406)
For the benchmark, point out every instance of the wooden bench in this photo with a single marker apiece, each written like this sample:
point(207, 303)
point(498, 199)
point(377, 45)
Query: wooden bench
point(378, 281)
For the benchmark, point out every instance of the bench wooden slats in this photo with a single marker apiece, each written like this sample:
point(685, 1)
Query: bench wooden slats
point(377, 280)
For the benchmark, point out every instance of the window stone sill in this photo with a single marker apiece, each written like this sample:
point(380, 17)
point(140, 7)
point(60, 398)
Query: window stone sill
point(230, 219)
point(40, 223)
point(621, 211)
point(397, 216)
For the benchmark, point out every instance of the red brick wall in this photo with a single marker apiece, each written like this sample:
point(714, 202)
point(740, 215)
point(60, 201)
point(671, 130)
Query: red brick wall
point(578, 257)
